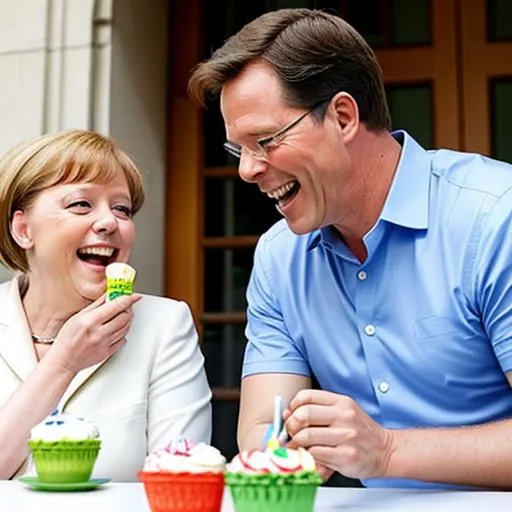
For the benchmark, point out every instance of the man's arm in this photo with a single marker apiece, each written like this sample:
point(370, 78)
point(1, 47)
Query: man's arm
point(342, 437)
point(257, 403)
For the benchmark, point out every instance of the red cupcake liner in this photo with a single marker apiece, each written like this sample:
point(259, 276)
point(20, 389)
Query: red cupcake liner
point(183, 492)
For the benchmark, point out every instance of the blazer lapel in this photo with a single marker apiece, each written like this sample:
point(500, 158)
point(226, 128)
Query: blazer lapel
point(79, 379)
point(16, 347)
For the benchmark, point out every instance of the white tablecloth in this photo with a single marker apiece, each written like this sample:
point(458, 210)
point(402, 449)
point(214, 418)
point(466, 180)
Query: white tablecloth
point(129, 497)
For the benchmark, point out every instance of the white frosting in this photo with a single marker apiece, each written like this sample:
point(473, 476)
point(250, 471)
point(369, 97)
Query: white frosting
point(187, 458)
point(280, 460)
point(64, 426)
point(120, 270)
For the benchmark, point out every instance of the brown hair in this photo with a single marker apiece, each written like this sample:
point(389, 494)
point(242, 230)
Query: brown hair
point(315, 54)
point(69, 156)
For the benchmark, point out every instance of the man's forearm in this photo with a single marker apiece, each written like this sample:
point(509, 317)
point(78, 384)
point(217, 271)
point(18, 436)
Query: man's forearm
point(478, 456)
point(251, 437)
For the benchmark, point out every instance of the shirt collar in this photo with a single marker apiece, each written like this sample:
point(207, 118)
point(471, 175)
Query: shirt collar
point(407, 201)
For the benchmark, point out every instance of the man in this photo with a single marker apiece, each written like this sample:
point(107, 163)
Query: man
point(389, 279)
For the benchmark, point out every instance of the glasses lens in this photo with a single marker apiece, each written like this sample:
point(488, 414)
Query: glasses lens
point(232, 149)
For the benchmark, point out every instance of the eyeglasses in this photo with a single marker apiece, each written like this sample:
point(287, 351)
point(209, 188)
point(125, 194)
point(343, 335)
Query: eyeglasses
point(266, 143)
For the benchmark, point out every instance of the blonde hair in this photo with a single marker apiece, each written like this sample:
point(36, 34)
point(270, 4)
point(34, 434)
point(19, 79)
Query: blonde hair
point(69, 156)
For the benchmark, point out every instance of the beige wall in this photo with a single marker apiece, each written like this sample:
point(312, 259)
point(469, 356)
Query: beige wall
point(95, 64)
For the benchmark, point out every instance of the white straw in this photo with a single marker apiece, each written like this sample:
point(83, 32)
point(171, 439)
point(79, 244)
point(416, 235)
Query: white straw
point(278, 413)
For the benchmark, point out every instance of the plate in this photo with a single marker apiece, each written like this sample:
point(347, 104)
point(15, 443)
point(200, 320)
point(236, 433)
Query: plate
point(88, 485)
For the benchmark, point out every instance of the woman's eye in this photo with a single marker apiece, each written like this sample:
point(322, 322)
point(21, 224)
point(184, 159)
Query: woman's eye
point(125, 210)
point(80, 204)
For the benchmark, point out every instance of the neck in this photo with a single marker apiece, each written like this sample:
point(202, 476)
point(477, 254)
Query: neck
point(376, 156)
point(46, 309)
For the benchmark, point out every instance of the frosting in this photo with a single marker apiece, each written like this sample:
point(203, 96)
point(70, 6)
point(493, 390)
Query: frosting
point(185, 456)
point(120, 270)
point(279, 460)
point(64, 426)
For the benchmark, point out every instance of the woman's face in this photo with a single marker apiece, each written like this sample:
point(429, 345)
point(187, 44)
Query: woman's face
point(72, 231)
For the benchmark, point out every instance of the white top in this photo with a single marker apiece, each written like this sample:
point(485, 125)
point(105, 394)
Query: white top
point(151, 390)
point(130, 497)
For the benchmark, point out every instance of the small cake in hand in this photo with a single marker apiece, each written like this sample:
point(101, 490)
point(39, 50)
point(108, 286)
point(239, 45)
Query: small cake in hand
point(120, 278)
point(279, 479)
point(64, 448)
point(184, 477)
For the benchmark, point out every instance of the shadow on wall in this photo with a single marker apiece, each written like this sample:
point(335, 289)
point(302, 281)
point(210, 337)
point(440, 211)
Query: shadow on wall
point(4, 274)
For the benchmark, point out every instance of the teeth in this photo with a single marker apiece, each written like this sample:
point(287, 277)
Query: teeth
point(97, 251)
point(278, 193)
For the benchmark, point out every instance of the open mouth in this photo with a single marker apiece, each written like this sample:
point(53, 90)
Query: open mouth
point(101, 256)
point(284, 194)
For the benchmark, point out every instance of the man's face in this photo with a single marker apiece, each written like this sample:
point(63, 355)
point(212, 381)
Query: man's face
point(305, 170)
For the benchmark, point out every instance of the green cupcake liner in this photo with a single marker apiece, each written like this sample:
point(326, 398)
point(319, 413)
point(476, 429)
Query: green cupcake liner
point(64, 461)
point(293, 492)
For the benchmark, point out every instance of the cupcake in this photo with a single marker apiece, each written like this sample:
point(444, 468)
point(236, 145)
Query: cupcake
point(184, 477)
point(278, 479)
point(64, 448)
point(120, 278)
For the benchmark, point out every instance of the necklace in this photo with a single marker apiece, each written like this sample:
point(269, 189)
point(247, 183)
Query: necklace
point(42, 340)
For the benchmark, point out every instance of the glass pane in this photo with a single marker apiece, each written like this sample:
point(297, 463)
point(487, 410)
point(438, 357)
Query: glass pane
point(411, 110)
point(226, 273)
point(230, 206)
point(366, 16)
point(499, 20)
point(501, 115)
point(223, 347)
point(225, 418)
point(410, 22)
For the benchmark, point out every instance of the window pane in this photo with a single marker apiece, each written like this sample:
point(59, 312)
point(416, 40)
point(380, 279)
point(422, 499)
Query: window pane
point(411, 110)
point(226, 273)
point(234, 207)
point(499, 20)
point(410, 22)
point(225, 418)
point(501, 115)
point(223, 346)
point(366, 16)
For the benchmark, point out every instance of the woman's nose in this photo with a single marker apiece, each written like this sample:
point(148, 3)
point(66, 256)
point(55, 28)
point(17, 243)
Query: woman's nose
point(106, 222)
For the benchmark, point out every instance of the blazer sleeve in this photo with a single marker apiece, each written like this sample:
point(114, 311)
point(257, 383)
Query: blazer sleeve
point(179, 398)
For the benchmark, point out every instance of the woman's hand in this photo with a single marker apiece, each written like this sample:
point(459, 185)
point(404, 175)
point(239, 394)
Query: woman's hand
point(93, 334)
point(339, 434)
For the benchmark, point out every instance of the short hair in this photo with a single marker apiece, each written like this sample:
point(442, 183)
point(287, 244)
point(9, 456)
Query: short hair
point(69, 156)
point(314, 53)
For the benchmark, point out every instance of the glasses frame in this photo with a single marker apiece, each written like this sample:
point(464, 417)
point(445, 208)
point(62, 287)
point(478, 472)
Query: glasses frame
point(270, 141)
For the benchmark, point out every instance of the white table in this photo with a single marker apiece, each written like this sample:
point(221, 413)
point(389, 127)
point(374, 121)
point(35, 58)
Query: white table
point(130, 497)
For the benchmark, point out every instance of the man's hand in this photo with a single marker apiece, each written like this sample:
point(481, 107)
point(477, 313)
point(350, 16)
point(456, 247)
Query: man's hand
point(339, 434)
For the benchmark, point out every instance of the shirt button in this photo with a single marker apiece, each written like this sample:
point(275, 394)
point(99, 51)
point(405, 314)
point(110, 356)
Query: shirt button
point(369, 330)
point(362, 275)
point(383, 387)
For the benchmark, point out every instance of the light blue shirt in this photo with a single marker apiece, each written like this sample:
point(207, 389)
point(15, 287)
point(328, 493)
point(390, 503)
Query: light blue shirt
point(420, 334)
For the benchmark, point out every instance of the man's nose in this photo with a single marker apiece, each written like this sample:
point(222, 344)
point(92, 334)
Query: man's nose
point(251, 168)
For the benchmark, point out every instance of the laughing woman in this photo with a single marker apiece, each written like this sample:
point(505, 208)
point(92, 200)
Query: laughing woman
point(133, 365)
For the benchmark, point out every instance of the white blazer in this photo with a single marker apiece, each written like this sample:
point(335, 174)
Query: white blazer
point(151, 390)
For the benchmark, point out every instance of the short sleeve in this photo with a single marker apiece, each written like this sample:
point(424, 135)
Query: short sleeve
point(493, 278)
point(270, 349)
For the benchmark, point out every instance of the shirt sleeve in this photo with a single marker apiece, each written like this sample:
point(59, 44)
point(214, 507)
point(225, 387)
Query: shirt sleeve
point(179, 395)
point(493, 278)
point(270, 349)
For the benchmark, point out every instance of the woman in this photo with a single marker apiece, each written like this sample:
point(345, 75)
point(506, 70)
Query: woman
point(133, 365)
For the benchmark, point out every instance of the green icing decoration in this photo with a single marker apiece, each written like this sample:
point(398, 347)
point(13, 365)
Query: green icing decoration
point(281, 452)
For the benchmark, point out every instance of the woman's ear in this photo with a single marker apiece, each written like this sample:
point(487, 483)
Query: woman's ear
point(20, 230)
point(347, 114)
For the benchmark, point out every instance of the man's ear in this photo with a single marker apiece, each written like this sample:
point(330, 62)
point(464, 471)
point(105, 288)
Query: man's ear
point(347, 114)
point(20, 230)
